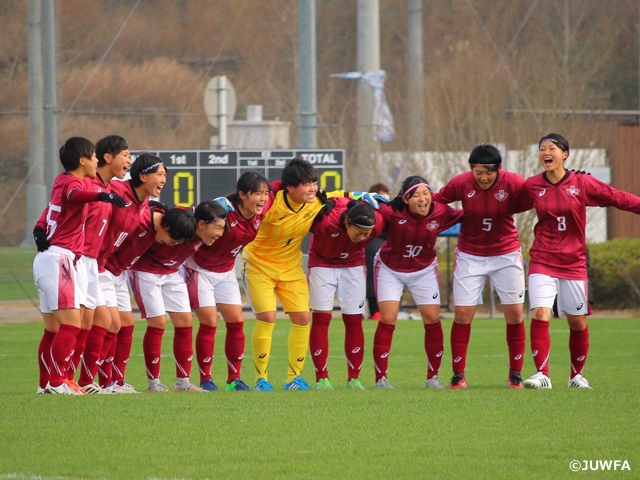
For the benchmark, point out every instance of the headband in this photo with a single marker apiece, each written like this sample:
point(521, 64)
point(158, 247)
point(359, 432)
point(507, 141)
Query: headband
point(148, 169)
point(562, 147)
point(368, 227)
point(404, 194)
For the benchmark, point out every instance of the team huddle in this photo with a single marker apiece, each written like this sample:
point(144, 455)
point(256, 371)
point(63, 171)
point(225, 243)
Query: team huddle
point(101, 235)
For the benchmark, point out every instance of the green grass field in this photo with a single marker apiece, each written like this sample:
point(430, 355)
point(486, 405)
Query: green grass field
point(486, 431)
point(16, 274)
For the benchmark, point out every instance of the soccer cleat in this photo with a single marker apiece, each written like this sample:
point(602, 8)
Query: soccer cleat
point(434, 382)
point(126, 388)
point(41, 391)
point(63, 389)
point(355, 384)
point(515, 381)
point(324, 384)
point(209, 386)
point(297, 383)
point(578, 382)
point(263, 386)
point(74, 386)
point(189, 387)
point(95, 389)
point(383, 383)
point(457, 382)
point(237, 385)
point(538, 381)
point(157, 388)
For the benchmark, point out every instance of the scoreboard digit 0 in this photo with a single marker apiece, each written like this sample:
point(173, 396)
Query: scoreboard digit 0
point(197, 175)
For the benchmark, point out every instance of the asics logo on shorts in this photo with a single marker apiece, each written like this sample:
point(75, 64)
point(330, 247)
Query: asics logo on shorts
point(361, 305)
point(521, 294)
point(580, 306)
point(317, 352)
point(435, 295)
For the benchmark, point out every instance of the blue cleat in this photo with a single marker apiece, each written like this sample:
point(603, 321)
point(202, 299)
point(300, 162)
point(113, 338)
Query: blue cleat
point(237, 385)
point(209, 386)
point(297, 383)
point(263, 386)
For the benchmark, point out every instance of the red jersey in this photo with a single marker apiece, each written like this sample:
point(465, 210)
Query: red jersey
point(487, 227)
point(330, 245)
point(164, 259)
point(133, 245)
point(98, 215)
point(559, 246)
point(411, 239)
point(124, 221)
point(221, 256)
point(63, 219)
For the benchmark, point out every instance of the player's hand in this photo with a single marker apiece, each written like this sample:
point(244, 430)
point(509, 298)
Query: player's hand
point(112, 198)
point(158, 204)
point(224, 201)
point(40, 236)
point(322, 195)
point(325, 210)
point(370, 198)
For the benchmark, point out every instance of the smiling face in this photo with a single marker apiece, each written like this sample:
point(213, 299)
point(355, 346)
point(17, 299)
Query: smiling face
point(119, 164)
point(357, 234)
point(303, 193)
point(210, 232)
point(484, 175)
point(89, 166)
point(252, 203)
point(153, 182)
point(552, 157)
point(420, 200)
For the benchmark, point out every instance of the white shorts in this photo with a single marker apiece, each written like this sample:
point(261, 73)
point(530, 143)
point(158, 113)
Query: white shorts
point(158, 294)
point(572, 294)
point(56, 279)
point(82, 280)
point(422, 284)
point(94, 296)
point(206, 288)
point(115, 290)
point(349, 283)
point(505, 271)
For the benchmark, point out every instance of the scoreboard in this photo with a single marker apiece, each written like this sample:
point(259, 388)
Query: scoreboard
point(197, 175)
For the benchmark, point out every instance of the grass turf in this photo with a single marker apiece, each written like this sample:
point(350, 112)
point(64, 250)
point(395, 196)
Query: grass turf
point(486, 431)
point(16, 274)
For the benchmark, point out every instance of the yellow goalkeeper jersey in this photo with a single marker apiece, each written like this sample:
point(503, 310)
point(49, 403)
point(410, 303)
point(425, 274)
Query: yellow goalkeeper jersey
point(278, 243)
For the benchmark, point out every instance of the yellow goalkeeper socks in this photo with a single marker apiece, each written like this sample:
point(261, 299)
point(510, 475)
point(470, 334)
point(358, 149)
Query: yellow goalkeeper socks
point(261, 341)
point(298, 346)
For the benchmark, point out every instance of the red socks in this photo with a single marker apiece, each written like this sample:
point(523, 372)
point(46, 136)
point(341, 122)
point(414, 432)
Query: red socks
point(183, 351)
point(205, 341)
point(540, 345)
point(516, 336)
point(152, 348)
point(433, 346)
point(106, 359)
point(91, 355)
point(43, 357)
point(459, 343)
point(81, 341)
point(319, 343)
point(381, 348)
point(234, 349)
point(353, 343)
point(578, 350)
point(60, 353)
point(122, 353)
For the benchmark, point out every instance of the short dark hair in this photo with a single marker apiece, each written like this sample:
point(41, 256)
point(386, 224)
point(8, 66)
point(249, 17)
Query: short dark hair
point(486, 155)
point(209, 211)
point(558, 139)
point(73, 150)
point(145, 163)
point(361, 214)
point(297, 172)
point(180, 225)
point(112, 144)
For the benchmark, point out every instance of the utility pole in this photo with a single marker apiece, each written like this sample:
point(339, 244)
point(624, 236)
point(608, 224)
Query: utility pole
point(307, 73)
point(416, 77)
point(36, 190)
point(368, 60)
point(51, 168)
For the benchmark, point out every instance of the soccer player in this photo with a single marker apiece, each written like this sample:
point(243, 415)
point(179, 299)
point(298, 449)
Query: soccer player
point(272, 266)
point(59, 238)
point(370, 250)
point(148, 176)
point(159, 289)
point(408, 257)
point(336, 266)
point(488, 245)
point(114, 159)
point(213, 286)
point(559, 252)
